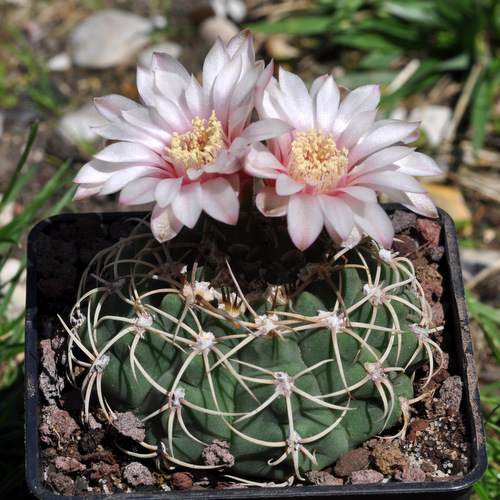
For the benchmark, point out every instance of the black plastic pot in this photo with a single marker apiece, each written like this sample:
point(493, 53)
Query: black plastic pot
point(457, 318)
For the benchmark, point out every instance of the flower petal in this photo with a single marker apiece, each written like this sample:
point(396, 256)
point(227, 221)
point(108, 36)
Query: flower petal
point(121, 178)
point(418, 164)
point(293, 86)
point(326, 104)
point(187, 204)
point(386, 133)
point(270, 203)
point(364, 98)
point(286, 186)
point(164, 224)
point(139, 191)
point(373, 220)
point(265, 129)
point(111, 106)
point(166, 190)
point(339, 215)
point(220, 200)
point(305, 220)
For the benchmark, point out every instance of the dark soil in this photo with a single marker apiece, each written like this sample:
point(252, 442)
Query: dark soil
point(80, 459)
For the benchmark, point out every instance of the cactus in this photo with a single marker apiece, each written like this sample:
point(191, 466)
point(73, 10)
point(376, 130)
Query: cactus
point(291, 358)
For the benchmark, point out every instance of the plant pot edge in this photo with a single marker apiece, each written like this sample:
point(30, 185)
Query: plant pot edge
point(458, 489)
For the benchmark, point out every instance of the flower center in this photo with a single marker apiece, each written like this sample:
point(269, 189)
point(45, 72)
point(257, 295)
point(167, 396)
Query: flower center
point(200, 145)
point(317, 160)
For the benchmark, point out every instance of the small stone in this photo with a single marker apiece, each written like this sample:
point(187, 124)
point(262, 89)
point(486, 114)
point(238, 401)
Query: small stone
point(61, 483)
point(402, 220)
point(367, 476)
point(451, 392)
point(322, 478)
point(388, 457)
point(404, 245)
point(215, 27)
point(137, 474)
point(410, 474)
point(434, 121)
point(217, 453)
point(430, 231)
point(435, 254)
point(127, 424)
point(68, 464)
point(108, 38)
point(59, 62)
point(351, 461)
point(182, 481)
point(57, 426)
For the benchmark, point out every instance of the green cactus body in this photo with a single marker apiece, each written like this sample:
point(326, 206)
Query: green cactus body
point(292, 359)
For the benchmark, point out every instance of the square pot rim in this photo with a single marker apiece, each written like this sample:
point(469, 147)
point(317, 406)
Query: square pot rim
point(457, 488)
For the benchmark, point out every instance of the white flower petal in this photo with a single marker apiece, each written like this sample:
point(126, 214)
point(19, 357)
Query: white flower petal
point(216, 59)
point(418, 164)
point(364, 98)
point(128, 152)
point(223, 88)
point(120, 179)
point(326, 104)
point(166, 190)
point(339, 215)
point(220, 200)
point(293, 86)
point(86, 190)
point(305, 220)
point(196, 99)
point(421, 204)
point(122, 131)
point(172, 114)
point(380, 180)
point(265, 129)
point(164, 224)
point(356, 129)
point(271, 204)
point(111, 106)
point(286, 186)
point(163, 62)
point(387, 134)
point(187, 204)
point(139, 191)
point(260, 162)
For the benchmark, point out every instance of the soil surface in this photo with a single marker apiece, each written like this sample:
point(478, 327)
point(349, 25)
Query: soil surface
point(432, 445)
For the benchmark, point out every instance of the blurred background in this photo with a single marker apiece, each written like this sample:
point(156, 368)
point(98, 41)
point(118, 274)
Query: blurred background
point(437, 62)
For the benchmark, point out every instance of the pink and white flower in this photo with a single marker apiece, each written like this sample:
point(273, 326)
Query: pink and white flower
point(184, 145)
point(330, 168)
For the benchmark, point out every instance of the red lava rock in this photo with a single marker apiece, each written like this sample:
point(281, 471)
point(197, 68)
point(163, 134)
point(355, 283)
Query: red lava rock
point(433, 292)
point(129, 425)
point(181, 481)
point(137, 474)
point(68, 464)
point(435, 254)
point(404, 245)
point(367, 476)
point(57, 426)
point(352, 461)
point(416, 427)
point(451, 392)
point(402, 220)
point(322, 478)
point(410, 474)
point(60, 483)
point(430, 231)
point(101, 470)
point(217, 453)
point(50, 382)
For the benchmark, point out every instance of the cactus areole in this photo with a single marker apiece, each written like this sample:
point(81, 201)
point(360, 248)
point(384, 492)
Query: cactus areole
point(230, 334)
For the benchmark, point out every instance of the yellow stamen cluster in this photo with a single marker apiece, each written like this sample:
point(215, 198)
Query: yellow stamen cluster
point(200, 145)
point(317, 160)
